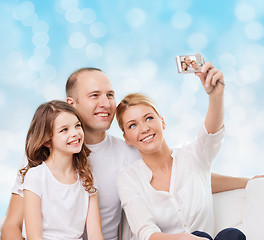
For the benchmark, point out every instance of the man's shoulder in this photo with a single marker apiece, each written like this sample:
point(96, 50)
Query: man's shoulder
point(120, 143)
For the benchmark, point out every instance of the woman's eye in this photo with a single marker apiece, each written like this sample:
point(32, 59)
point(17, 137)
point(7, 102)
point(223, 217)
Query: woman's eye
point(132, 126)
point(149, 118)
point(78, 125)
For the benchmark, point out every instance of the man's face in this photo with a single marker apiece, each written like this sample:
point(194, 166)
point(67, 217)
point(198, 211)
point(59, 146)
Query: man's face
point(187, 60)
point(95, 100)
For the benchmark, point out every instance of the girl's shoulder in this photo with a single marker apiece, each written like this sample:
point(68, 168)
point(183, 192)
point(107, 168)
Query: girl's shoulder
point(36, 171)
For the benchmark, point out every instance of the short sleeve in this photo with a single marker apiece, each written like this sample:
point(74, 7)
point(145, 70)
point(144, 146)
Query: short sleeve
point(32, 182)
point(17, 186)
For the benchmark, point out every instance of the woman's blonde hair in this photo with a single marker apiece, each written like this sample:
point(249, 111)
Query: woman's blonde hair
point(40, 133)
point(133, 100)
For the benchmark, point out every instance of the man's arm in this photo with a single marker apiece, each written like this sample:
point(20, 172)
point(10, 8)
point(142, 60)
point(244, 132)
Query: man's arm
point(12, 227)
point(221, 183)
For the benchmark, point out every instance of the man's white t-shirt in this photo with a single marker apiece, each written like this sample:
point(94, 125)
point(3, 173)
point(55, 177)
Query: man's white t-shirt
point(107, 158)
point(64, 207)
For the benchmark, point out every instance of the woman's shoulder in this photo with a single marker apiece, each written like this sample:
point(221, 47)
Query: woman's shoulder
point(134, 173)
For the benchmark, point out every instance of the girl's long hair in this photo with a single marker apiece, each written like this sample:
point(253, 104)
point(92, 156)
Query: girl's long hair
point(40, 133)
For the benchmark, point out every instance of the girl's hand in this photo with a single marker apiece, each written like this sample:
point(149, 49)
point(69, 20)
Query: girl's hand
point(212, 79)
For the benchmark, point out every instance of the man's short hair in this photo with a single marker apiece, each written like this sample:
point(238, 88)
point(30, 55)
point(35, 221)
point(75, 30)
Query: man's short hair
point(72, 80)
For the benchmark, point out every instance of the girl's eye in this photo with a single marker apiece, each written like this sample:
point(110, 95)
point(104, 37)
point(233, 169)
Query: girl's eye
point(64, 130)
point(78, 125)
point(149, 118)
point(132, 126)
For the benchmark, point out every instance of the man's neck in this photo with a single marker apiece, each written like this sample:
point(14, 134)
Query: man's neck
point(94, 137)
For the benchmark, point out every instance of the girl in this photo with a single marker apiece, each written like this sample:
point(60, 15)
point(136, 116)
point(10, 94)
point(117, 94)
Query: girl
point(167, 193)
point(58, 185)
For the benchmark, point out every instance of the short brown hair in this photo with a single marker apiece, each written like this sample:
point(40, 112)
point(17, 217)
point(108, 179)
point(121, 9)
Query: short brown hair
point(71, 82)
point(133, 100)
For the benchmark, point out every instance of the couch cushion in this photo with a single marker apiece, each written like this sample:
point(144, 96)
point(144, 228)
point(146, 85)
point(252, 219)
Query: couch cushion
point(228, 209)
point(252, 220)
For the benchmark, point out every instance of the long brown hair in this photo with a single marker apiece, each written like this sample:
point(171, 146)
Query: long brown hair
point(40, 133)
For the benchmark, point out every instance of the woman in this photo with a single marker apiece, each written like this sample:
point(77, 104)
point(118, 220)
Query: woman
point(167, 193)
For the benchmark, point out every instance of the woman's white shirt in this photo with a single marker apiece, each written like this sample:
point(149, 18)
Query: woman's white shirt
point(187, 206)
point(63, 206)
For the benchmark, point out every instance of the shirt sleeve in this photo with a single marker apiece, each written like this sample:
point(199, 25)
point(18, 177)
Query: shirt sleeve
point(206, 147)
point(139, 217)
point(18, 181)
point(32, 182)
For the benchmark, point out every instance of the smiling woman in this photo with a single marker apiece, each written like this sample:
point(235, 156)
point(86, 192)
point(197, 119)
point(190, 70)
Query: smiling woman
point(167, 193)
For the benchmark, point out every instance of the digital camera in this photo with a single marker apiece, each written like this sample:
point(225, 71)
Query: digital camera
point(189, 63)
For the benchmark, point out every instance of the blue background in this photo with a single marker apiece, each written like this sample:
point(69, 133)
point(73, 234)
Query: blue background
point(135, 44)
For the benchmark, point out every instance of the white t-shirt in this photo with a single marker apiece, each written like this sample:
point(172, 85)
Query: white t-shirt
point(63, 206)
point(107, 158)
point(187, 206)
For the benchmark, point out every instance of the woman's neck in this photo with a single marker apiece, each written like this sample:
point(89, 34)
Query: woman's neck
point(159, 159)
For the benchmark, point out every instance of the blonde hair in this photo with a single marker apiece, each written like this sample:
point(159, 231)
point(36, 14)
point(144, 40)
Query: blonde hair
point(41, 132)
point(133, 100)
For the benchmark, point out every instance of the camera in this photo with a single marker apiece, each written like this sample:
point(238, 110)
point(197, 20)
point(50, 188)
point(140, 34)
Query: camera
point(189, 63)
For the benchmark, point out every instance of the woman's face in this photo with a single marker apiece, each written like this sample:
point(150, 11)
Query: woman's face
point(143, 128)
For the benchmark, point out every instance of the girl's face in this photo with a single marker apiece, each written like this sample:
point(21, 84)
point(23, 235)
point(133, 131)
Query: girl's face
point(68, 135)
point(143, 128)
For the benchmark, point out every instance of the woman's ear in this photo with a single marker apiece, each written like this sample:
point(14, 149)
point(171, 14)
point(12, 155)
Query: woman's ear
point(163, 123)
point(47, 144)
point(126, 140)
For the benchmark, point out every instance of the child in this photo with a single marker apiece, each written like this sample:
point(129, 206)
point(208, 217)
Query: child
point(58, 185)
point(167, 193)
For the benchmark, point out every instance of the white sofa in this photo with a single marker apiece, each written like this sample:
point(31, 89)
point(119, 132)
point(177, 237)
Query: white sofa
point(241, 208)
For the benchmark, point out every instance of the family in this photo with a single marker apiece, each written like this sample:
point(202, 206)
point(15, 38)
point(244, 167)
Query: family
point(76, 178)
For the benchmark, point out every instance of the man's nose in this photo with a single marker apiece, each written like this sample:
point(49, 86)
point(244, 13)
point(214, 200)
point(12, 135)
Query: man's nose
point(104, 101)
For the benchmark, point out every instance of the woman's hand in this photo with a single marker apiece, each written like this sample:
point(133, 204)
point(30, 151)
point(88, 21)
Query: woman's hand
point(212, 79)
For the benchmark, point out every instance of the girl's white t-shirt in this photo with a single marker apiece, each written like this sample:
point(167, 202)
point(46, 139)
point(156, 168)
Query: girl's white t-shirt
point(63, 206)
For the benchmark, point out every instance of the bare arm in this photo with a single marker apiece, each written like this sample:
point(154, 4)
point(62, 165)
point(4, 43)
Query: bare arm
point(177, 236)
point(213, 82)
point(93, 222)
point(221, 183)
point(12, 227)
point(33, 219)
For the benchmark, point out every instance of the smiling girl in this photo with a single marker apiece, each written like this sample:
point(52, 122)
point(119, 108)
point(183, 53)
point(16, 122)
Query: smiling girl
point(58, 186)
point(167, 193)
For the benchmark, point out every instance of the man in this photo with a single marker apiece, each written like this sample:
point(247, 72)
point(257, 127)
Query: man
point(91, 92)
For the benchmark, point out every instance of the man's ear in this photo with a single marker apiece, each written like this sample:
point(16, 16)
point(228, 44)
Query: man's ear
point(163, 123)
point(70, 100)
point(126, 140)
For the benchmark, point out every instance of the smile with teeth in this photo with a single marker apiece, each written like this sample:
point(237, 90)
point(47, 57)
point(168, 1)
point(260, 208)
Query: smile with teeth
point(103, 114)
point(74, 142)
point(147, 138)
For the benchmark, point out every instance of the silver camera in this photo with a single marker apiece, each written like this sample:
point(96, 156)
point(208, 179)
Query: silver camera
point(189, 63)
